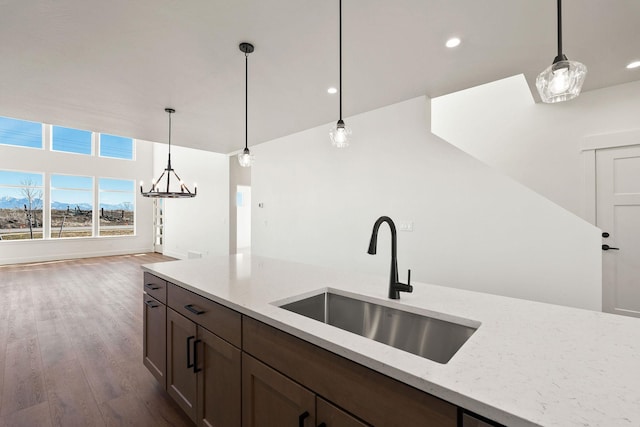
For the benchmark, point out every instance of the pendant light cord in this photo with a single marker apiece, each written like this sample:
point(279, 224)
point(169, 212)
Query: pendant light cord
point(340, 61)
point(246, 101)
point(169, 165)
point(559, 28)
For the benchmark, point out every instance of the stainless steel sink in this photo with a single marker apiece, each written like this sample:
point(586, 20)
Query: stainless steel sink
point(428, 337)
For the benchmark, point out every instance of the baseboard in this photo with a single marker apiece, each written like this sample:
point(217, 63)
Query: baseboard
point(66, 255)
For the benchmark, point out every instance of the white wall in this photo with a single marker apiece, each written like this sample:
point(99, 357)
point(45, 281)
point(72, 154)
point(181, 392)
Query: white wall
point(237, 176)
point(474, 228)
point(200, 224)
point(243, 218)
point(536, 144)
point(24, 159)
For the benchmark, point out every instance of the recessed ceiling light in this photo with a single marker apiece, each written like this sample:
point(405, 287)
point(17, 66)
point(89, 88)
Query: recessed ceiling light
point(332, 90)
point(452, 42)
point(634, 64)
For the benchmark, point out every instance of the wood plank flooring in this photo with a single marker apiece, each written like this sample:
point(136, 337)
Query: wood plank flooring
point(71, 346)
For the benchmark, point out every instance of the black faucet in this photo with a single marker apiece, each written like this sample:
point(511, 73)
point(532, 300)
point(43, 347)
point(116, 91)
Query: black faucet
point(395, 287)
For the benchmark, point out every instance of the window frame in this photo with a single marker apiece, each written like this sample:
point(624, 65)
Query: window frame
point(93, 202)
point(42, 136)
point(92, 142)
point(134, 204)
point(43, 200)
point(99, 147)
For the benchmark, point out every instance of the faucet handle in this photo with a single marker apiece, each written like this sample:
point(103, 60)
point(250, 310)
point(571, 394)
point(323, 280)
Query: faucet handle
point(406, 288)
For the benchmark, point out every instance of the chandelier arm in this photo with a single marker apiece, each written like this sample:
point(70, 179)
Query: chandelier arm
point(155, 184)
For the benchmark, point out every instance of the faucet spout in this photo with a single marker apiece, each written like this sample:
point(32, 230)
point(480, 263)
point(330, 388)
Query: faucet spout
point(395, 287)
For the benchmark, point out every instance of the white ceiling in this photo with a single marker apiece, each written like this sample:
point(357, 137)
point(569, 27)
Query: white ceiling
point(113, 66)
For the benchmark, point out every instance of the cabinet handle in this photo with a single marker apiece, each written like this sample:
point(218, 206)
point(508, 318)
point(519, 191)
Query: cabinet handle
point(151, 286)
point(195, 357)
point(303, 416)
point(195, 311)
point(189, 364)
point(151, 304)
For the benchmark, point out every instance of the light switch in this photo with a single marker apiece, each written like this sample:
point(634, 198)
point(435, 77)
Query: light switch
point(406, 225)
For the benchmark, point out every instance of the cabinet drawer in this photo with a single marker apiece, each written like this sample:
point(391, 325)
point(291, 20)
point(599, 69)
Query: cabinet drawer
point(156, 287)
point(220, 320)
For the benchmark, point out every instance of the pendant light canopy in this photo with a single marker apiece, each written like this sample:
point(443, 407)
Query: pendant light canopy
point(245, 158)
point(563, 79)
point(340, 133)
point(169, 190)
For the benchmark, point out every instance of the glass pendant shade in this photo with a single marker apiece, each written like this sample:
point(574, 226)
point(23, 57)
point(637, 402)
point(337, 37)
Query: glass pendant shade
point(245, 158)
point(340, 135)
point(561, 81)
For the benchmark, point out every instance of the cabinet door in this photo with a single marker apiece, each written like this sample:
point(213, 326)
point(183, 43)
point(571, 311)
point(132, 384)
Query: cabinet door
point(219, 366)
point(181, 378)
point(154, 338)
point(331, 416)
point(269, 399)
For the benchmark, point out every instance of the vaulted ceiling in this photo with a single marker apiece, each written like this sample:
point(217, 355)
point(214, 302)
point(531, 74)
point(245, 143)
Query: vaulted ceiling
point(113, 66)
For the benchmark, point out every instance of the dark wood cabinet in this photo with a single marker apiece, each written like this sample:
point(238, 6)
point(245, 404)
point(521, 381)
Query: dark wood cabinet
point(203, 373)
point(329, 415)
point(219, 383)
point(370, 396)
point(155, 287)
point(154, 339)
point(181, 378)
point(272, 400)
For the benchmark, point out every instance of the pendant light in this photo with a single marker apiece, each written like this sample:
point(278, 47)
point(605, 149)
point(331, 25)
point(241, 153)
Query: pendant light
point(159, 189)
point(245, 158)
point(563, 79)
point(340, 133)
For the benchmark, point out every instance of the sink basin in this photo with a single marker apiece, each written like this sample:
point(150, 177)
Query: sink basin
point(428, 337)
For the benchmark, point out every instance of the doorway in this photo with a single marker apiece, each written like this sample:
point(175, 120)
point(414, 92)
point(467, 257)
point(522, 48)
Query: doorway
point(618, 216)
point(243, 219)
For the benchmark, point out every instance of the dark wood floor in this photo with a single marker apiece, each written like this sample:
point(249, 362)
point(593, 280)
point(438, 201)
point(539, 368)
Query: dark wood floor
point(71, 346)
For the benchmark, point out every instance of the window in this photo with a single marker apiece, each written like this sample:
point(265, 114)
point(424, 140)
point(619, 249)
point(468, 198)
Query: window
point(117, 211)
point(116, 147)
point(20, 205)
point(71, 140)
point(71, 206)
point(20, 133)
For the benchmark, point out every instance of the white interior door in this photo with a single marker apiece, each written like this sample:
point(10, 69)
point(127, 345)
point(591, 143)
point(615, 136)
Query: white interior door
point(618, 213)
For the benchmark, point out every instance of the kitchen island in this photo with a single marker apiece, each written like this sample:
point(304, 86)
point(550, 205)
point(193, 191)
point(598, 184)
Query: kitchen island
point(527, 364)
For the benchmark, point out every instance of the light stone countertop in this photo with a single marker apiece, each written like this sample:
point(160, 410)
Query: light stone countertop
point(528, 364)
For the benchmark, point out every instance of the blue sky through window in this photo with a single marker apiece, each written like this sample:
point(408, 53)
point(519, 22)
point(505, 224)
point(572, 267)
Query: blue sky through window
point(71, 182)
point(71, 140)
point(116, 146)
point(20, 133)
point(12, 178)
point(12, 188)
point(117, 193)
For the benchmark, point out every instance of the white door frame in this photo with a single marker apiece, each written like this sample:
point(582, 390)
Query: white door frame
point(590, 144)
point(588, 148)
